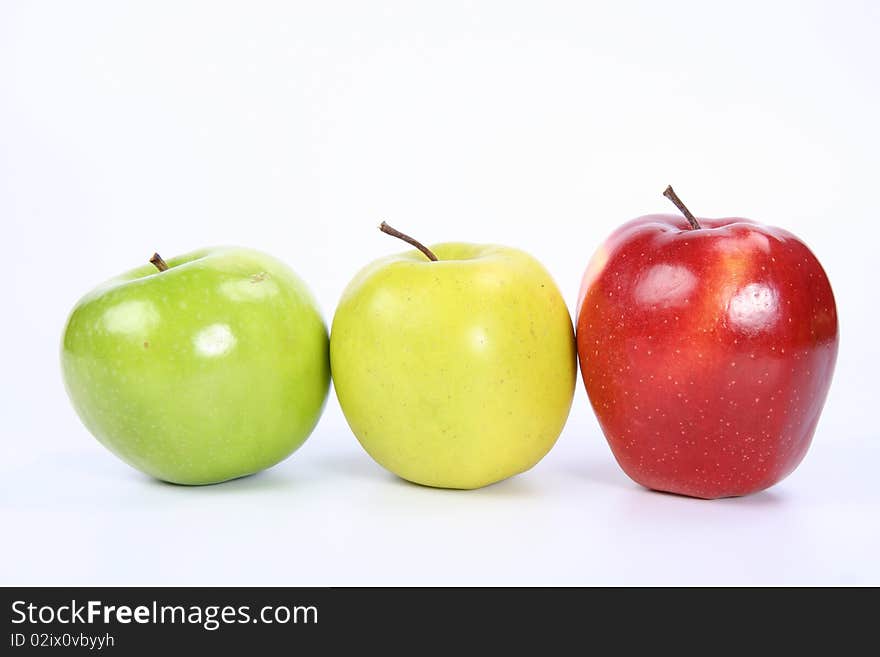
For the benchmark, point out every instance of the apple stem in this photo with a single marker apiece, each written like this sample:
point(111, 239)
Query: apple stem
point(388, 230)
point(672, 196)
point(157, 261)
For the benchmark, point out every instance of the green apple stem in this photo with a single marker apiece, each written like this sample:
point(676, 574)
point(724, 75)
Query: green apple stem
point(672, 196)
point(157, 261)
point(388, 230)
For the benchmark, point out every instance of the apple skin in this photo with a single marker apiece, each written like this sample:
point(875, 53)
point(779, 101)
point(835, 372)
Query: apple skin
point(214, 369)
point(706, 354)
point(456, 373)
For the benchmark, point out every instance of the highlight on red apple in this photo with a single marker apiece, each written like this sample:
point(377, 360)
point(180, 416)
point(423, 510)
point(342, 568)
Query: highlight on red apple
point(707, 347)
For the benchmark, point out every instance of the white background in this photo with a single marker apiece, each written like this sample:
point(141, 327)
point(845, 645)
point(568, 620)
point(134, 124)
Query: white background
point(295, 127)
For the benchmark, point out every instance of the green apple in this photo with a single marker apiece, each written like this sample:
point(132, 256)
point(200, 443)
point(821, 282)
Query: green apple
point(211, 369)
point(454, 373)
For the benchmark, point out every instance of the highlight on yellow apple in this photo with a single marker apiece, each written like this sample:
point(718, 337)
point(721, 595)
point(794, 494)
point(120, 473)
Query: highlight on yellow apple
point(455, 364)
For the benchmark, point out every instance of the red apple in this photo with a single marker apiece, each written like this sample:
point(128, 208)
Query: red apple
point(707, 348)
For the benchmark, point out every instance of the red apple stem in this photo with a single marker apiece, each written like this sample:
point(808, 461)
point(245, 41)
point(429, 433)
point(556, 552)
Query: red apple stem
point(672, 196)
point(157, 261)
point(388, 230)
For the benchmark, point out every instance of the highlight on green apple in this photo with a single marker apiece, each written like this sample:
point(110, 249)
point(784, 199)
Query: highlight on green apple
point(209, 367)
point(455, 364)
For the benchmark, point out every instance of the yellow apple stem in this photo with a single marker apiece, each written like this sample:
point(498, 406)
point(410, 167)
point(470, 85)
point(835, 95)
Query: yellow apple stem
point(160, 264)
point(388, 230)
point(672, 196)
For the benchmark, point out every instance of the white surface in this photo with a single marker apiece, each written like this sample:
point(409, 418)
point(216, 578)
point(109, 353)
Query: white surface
point(295, 128)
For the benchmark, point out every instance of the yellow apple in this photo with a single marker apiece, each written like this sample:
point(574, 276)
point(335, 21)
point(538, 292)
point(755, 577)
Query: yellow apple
point(454, 373)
